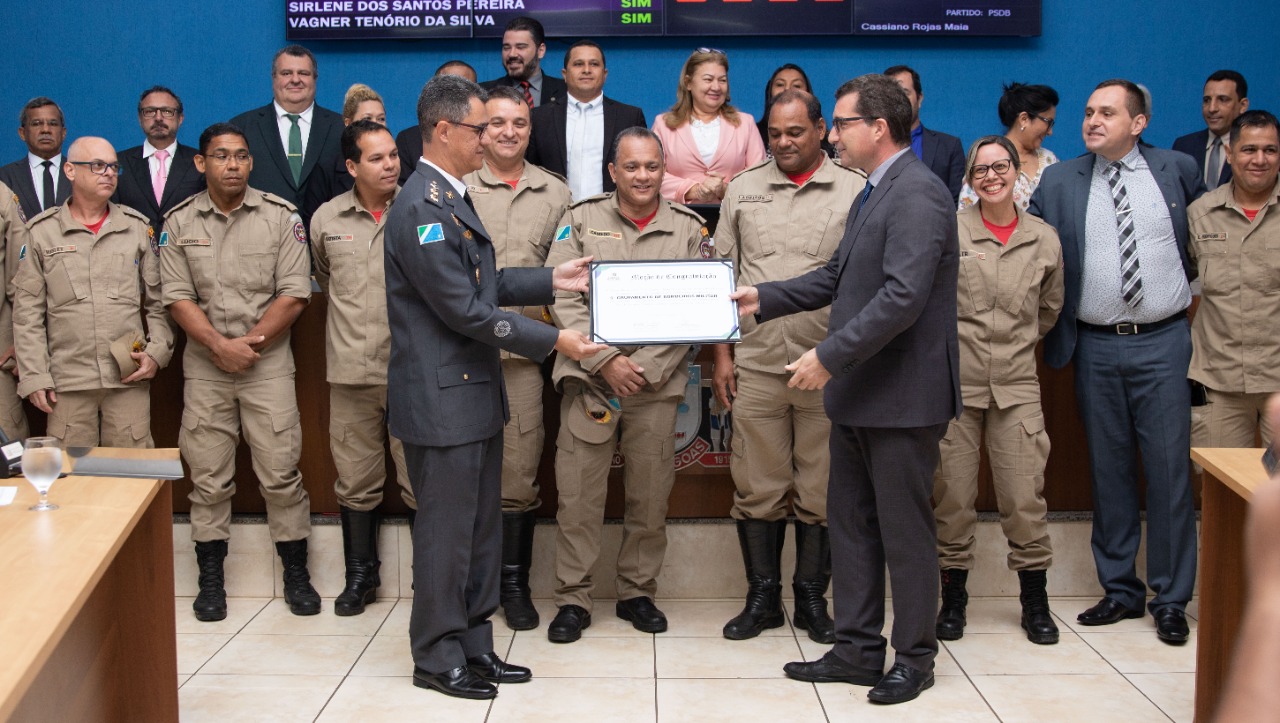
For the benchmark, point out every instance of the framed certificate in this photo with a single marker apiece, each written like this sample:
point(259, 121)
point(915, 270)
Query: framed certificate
point(637, 303)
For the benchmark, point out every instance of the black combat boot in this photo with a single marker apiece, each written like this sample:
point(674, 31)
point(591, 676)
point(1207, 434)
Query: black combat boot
point(813, 574)
point(211, 603)
point(761, 543)
point(360, 550)
point(1036, 619)
point(298, 593)
point(954, 599)
point(517, 557)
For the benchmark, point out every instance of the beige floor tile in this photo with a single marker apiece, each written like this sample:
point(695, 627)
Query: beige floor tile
point(1013, 654)
point(952, 699)
point(248, 574)
point(737, 700)
point(1193, 609)
point(598, 657)
point(395, 700)
point(1086, 698)
point(404, 560)
point(1143, 652)
point(195, 649)
point(599, 700)
point(1066, 609)
point(388, 656)
point(182, 679)
point(761, 657)
point(244, 698)
point(706, 618)
point(275, 619)
point(240, 610)
point(997, 615)
point(397, 622)
point(1174, 693)
point(287, 655)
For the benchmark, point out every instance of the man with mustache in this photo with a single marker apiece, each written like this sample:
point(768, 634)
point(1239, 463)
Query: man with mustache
point(523, 46)
point(38, 179)
point(160, 173)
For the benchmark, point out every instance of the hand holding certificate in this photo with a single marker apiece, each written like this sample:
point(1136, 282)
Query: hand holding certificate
point(635, 303)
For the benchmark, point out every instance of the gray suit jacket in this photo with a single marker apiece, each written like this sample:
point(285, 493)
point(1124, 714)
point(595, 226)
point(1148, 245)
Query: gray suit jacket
point(891, 346)
point(444, 294)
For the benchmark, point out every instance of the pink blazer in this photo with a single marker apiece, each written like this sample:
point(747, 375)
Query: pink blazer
point(740, 148)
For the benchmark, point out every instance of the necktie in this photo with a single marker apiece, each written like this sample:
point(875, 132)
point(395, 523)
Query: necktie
point(295, 147)
point(1130, 276)
point(1213, 167)
point(49, 193)
point(161, 176)
point(528, 95)
point(866, 193)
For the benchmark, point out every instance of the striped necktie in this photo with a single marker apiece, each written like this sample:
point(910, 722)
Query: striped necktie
point(1130, 275)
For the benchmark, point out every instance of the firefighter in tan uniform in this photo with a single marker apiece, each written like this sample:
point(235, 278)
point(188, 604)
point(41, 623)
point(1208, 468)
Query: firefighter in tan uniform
point(13, 245)
point(781, 218)
point(520, 205)
point(1009, 294)
point(84, 356)
point(234, 265)
point(1235, 244)
point(346, 239)
point(632, 391)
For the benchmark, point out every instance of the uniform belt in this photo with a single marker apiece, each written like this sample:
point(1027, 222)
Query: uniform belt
point(1128, 328)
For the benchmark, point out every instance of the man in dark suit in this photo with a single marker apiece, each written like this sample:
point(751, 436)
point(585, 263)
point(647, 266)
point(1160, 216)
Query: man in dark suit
point(523, 46)
point(941, 152)
point(446, 399)
point(1121, 212)
point(38, 178)
point(409, 140)
point(160, 173)
point(1226, 96)
point(890, 369)
point(596, 120)
point(291, 135)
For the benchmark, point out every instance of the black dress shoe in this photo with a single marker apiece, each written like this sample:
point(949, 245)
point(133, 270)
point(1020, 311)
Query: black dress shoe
point(831, 669)
point(459, 683)
point(642, 614)
point(568, 624)
point(490, 667)
point(1171, 626)
point(1107, 612)
point(900, 685)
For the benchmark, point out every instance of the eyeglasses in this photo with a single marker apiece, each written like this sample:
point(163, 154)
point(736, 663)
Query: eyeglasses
point(151, 111)
point(1047, 121)
point(99, 167)
point(478, 129)
point(223, 159)
point(717, 51)
point(1000, 167)
point(838, 123)
point(41, 123)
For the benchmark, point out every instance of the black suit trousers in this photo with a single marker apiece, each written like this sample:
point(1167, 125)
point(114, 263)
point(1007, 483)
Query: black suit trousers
point(457, 550)
point(878, 511)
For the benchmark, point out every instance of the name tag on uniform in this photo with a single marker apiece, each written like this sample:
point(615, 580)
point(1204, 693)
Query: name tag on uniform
point(334, 237)
point(193, 242)
point(604, 234)
point(478, 189)
point(1211, 237)
point(755, 198)
point(60, 250)
point(979, 255)
point(430, 233)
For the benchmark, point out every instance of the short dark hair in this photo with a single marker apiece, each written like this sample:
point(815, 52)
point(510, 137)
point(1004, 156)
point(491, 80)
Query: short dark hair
point(446, 98)
point(1019, 98)
point(529, 25)
point(507, 92)
point(584, 44)
point(452, 63)
point(812, 106)
point(1242, 87)
point(1252, 119)
point(219, 129)
point(296, 51)
point(38, 102)
point(768, 98)
point(1135, 99)
point(636, 132)
point(159, 89)
point(880, 96)
point(915, 77)
point(352, 134)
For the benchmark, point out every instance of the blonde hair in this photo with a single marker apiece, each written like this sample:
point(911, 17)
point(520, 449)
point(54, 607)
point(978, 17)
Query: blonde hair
point(682, 111)
point(356, 95)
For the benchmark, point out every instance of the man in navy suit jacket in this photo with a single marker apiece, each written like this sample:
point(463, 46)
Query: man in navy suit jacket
point(160, 115)
point(523, 47)
point(42, 128)
point(1226, 96)
point(1131, 348)
point(941, 152)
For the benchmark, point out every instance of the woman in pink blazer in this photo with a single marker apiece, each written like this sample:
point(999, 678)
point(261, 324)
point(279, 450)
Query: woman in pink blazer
point(706, 140)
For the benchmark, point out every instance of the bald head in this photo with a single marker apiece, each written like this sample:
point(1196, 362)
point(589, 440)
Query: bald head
point(88, 187)
point(87, 148)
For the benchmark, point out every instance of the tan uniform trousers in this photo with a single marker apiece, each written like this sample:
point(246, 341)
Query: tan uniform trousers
point(523, 436)
point(781, 440)
point(123, 415)
point(1230, 419)
point(582, 473)
point(1018, 447)
point(357, 438)
point(13, 418)
point(214, 414)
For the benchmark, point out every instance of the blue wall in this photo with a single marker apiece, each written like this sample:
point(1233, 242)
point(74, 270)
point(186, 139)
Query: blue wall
point(95, 57)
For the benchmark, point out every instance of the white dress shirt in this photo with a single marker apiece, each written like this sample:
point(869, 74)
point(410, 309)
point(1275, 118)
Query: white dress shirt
point(584, 140)
point(707, 138)
point(1211, 175)
point(37, 174)
point(304, 125)
point(153, 163)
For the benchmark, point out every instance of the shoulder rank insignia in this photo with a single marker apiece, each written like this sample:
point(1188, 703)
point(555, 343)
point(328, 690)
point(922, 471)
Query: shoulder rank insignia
point(434, 192)
point(430, 233)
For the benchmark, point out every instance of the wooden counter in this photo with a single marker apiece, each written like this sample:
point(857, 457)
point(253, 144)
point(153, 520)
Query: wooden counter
point(87, 629)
